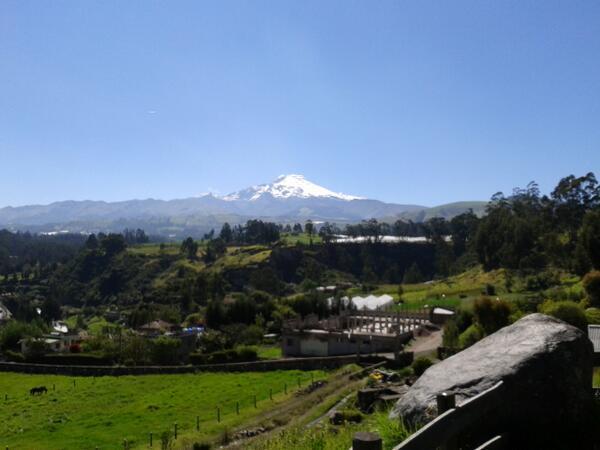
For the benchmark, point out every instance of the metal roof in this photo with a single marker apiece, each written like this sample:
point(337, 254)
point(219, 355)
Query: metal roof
point(594, 335)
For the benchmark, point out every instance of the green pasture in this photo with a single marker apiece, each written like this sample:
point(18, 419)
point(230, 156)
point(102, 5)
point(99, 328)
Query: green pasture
point(104, 411)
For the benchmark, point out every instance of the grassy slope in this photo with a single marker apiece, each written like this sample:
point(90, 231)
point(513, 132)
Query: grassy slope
point(335, 437)
point(597, 377)
point(301, 238)
point(105, 410)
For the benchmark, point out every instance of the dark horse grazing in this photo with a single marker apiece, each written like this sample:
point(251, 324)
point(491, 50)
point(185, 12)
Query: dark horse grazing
point(38, 390)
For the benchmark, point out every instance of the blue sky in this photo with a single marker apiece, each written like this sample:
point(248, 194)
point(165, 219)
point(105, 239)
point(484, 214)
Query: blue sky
point(411, 102)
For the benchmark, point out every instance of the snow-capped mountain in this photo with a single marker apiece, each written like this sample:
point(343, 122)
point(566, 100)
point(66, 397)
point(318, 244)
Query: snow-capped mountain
point(288, 186)
point(290, 198)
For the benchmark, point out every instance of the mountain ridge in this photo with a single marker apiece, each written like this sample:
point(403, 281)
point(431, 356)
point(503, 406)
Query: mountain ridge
point(289, 198)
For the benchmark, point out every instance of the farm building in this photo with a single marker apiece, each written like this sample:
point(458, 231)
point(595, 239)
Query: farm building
point(370, 302)
point(357, 332)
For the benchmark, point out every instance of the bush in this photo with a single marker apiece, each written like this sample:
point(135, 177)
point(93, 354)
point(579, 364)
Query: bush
point(246, 354)
point(14, 331)
point(223, 356)
point(491, 314)
point(471, 335)
point(593, 316)
point(14, 356)
point(164, 350)
point(420, 365)
point(241, 354)
point(451, 334)
point(591, 284)
point(568, 311)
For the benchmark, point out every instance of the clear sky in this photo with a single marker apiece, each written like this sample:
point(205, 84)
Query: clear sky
point(404, 101)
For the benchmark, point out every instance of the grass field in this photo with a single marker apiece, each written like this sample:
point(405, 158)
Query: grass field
point(300, 238)
point(596, 377)
point(104, 411)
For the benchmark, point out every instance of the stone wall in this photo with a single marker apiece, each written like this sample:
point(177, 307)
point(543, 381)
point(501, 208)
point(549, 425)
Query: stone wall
point(329, 362)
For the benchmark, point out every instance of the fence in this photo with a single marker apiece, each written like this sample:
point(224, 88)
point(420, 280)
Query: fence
point(227, 409)
point(443, 431)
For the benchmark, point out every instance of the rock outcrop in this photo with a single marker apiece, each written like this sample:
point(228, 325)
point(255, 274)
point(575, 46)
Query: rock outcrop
point(546, 366)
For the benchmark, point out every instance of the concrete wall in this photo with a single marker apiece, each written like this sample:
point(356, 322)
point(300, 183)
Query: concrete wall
point(338, 343)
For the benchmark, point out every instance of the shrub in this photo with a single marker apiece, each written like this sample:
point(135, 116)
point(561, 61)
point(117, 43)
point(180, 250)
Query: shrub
point(241, 354)
point(246, 354)
point(252, 335)
point(14, 356)
point(221, 357)
point(593, 315)
point(591, 284)
point(213, 341)
point(14, 331)
point(568, 311)
point(351, 415)
point(471, 335)
point(420, 365)
point(198, 358)
point(451, 334)
point(164, 350)
point(491, 314)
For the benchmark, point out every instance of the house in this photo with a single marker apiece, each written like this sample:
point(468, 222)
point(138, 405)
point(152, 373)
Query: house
point(157, 327)
point(56, 342)
point(594, 336)
point(440, 316)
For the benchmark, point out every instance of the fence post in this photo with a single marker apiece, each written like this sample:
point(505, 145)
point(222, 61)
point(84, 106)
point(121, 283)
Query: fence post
point(271, 393)
point(446, 401)
point(197, 423)
point(218, 414)
point(366, 441)
point(150, 439)
point(175, 429)
point(237, 408)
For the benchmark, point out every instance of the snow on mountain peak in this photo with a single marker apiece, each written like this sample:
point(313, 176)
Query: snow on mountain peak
point(287, 186)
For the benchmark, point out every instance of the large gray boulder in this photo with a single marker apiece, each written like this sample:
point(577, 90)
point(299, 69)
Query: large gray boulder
point(546, 366)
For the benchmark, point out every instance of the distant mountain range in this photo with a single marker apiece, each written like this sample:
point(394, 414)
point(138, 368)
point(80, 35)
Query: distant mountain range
point(288, 199)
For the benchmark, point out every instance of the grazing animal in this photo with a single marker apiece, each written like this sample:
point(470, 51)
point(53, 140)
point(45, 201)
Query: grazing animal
point(38, 390)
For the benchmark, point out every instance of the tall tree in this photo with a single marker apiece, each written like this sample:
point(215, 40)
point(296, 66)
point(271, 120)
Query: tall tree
point(190, 248)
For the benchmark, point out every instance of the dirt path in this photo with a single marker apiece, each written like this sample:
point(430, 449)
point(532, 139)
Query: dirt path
point(425, 345)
